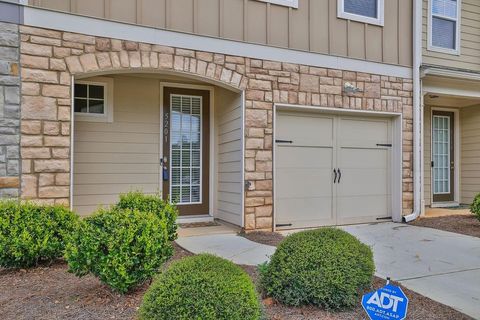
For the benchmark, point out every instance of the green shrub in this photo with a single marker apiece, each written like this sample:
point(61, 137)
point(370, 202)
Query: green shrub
point(122, 247)
point(152, 203)
point(475, 207)
point(31, 233)
point(201, 287)
point(325, 267)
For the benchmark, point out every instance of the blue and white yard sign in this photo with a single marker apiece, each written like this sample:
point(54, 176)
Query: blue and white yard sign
point(387, 303)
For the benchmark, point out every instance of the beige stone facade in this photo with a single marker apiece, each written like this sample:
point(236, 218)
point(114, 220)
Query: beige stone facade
point(49, 58)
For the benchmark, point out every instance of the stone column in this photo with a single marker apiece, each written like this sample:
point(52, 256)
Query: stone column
point(9, 111)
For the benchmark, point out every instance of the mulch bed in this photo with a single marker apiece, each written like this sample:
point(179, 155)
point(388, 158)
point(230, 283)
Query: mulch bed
point(420, 307)
point(50, 292)
point(464, 224)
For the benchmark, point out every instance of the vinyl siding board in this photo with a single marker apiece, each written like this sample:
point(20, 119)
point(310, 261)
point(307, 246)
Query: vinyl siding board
point(113, 158)
point(470, 154)
point(313, 26)
point(427, 155)
point(228, 156)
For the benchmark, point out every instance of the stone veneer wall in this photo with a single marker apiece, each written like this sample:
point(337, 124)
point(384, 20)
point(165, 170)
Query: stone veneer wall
point(50, 57)
point(9, 111)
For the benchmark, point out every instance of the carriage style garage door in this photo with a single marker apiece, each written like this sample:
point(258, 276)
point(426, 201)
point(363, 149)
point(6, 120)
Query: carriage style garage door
point(331, 169)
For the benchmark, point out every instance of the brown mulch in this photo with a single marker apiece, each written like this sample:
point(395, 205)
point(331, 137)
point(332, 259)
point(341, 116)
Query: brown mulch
point(419, 308)
point(199, 224)
point(50, 292)
point(464, 224)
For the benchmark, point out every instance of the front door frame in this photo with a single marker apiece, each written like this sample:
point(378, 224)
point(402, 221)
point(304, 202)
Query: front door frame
point(456, 177)
point(211, 164)
point(396, 178)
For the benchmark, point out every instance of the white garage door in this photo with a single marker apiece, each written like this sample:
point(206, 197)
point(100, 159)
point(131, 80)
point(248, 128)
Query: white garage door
point(331, 169)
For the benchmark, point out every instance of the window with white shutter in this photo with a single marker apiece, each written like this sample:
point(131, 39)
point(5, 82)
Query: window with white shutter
point(367, 11)
point(444, 26)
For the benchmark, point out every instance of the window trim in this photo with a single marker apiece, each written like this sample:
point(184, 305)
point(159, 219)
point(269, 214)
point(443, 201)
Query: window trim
point(107, 115)
point(430, 46)
point(379, 21)
point(286, 3)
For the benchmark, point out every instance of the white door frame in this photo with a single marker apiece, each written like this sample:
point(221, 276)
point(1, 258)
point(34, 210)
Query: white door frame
point(456, 173)
point(211, 182)
point(397, 150)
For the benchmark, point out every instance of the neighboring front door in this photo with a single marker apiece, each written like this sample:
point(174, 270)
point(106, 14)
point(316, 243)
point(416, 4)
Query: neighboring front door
point(443, 151)
point(186, 131)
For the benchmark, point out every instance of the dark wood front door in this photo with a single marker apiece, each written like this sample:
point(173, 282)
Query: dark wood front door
point(443, 156)
point(186, 132)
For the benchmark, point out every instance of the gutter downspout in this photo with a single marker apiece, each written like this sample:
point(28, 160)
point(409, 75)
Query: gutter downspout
point(417, 114)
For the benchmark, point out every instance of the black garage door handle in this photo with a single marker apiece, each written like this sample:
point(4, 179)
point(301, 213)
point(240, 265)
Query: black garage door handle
point(283, 141)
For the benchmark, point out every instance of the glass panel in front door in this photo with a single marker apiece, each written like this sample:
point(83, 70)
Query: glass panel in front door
point(441, 154)
point(185, 149)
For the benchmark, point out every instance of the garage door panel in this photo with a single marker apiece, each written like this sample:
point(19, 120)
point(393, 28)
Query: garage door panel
point(304, 212)
point(363, 129)
point(361, 158)
point(303, 157)
point(359, 209)
point(304, 183)
point(305, 130)
point(363, 182)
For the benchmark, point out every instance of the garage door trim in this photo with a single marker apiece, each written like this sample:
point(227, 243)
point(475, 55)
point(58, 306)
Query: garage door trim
point(397, 140)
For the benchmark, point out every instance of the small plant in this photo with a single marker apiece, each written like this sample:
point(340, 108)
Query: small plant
point(325, 267)
point(122, 247)
point(155, 204)
point(475, 207)
point(201, 287)
point(31, 233)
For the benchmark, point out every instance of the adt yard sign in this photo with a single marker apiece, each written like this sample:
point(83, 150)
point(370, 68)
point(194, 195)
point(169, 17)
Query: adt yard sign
point(387, 303)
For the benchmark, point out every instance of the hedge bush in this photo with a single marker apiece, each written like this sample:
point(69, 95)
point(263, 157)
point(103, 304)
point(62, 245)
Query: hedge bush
point(201, 287)
point(31, 233)
point(122, 247)
point(475, 207)
point(325, 267)
point(152, 203)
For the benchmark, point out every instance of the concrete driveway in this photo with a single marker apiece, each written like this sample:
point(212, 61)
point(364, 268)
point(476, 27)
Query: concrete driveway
point(441, 265)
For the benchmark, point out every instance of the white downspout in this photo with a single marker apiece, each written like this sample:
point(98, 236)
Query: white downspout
point(417, 114)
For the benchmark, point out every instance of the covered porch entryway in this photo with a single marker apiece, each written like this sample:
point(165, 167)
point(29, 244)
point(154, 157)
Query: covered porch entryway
point(159, 133)
point(451, 141)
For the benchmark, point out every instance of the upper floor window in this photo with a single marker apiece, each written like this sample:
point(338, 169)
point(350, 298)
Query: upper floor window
point(93, 100)
point(367, 11)
point(444, 25)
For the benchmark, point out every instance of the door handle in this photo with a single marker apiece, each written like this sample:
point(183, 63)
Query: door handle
point(335, 177)
point(339, 175)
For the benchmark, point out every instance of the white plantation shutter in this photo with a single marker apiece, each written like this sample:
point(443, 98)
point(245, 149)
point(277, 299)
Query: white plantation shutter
point(185, 145)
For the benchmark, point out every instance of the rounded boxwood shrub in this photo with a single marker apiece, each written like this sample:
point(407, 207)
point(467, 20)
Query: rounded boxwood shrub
point(325, 267)
point(201, 287)
point(152, 203)
point(475, 207)
point(122, 247)
point(31, 233)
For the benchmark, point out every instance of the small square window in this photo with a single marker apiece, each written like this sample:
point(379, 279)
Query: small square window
point(93, 100)
point(89, 98)
point(366, 11)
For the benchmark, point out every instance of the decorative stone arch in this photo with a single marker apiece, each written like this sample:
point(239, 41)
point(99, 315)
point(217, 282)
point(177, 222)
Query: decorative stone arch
point(198, 65)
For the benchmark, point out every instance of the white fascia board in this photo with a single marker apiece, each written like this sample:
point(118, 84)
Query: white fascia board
point(44, 18)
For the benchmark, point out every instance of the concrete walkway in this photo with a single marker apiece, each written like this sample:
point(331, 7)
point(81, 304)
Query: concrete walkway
point(441, 265)
point(229, 246)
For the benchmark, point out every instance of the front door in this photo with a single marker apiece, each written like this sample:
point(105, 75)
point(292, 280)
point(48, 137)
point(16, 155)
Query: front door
point(443, 164)
point(186, 131)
